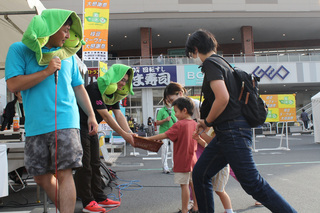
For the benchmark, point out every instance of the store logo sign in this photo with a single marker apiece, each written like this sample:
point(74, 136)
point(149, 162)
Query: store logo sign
point(271, 72)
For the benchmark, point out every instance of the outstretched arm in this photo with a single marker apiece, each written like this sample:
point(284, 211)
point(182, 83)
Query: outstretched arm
point(120, 126)
point(158, 137)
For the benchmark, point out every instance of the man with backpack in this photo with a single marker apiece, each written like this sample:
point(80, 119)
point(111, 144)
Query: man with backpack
point(232, 145)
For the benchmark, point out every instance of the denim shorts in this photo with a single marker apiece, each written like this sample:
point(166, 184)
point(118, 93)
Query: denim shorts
point(39, 155)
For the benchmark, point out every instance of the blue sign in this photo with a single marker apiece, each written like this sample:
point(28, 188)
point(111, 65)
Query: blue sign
point(270, 72)
point(154, 76)
point(193, 75)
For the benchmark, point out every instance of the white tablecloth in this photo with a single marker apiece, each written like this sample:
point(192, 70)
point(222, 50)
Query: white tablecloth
point(3, 171)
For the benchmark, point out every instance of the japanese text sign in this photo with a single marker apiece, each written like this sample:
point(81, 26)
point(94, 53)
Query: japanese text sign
point(96, 26)
point(93, 74)
point(151, 76)
point(280, 107)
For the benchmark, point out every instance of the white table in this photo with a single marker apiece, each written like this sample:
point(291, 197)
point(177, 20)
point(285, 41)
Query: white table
point(15, 155)
point(3, 171)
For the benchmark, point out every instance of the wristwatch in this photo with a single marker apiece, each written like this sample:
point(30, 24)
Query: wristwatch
point(208, 124)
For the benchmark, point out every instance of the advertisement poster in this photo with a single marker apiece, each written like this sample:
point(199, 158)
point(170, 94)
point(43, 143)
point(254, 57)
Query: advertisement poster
point(281, 108)
point(96, 29)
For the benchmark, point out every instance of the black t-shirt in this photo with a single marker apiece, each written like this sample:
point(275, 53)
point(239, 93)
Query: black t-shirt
point(97, 103)
point(222, 71)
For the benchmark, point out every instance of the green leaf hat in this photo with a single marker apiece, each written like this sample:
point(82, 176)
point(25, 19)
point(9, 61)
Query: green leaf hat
point(108, 84)
point(45, 25)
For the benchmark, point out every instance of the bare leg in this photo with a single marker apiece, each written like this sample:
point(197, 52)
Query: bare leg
point(225, 199)
point(66, 189)
point(195, 204)
point(48, 183)
point(185, 194)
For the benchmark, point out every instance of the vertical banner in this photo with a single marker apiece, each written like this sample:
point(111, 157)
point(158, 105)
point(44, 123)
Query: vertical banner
point(103, 68)
point(280, 107)
point(96, 27)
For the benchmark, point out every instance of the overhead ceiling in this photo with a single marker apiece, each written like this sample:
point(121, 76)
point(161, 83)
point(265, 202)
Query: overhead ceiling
point(226, 30)
point(175, 26)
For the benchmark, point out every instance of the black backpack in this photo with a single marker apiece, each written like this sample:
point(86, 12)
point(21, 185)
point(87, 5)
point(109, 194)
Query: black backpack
point(253, 108)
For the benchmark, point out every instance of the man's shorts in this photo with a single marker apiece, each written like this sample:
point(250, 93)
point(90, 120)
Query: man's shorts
point(219, 181)
point(182, 177)
point(39, 154)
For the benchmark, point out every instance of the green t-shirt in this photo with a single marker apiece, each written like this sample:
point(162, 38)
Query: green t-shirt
point(164, 113)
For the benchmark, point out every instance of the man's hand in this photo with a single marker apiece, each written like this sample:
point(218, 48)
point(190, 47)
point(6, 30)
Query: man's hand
point(92, 125)
point(200, 126)
point(129, 137)
point(168, 118)
point(54, 65)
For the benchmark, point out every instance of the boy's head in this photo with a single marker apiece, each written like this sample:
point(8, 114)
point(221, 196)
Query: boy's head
point(183, 107)
point(60, 37)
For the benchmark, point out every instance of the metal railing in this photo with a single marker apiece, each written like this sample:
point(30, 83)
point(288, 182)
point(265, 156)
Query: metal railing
point(176, 60)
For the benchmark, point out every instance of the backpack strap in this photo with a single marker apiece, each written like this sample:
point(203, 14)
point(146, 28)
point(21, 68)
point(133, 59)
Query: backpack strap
point(218, 56)
point(232, 70)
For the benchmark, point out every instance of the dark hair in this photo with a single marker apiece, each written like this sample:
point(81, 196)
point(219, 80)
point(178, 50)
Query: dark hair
point(15, 96)
point(184, 102)
point(172, 89)
point(203, 40)
point(68, 22)
point(129, 72)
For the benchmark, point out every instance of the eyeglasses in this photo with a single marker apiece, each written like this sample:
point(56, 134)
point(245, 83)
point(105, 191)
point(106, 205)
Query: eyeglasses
point(124, 80)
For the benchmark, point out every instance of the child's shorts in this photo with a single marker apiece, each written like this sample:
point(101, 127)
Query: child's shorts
point(219, 181)
point(39, 155)
point(182, 177)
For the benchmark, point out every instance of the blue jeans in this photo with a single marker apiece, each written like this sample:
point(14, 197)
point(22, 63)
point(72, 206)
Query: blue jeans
point(232, 145)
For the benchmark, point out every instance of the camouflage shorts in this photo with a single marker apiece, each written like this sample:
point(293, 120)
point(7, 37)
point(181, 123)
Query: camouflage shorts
point(39, 155)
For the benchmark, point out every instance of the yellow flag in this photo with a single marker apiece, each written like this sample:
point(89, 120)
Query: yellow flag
point(103, 68)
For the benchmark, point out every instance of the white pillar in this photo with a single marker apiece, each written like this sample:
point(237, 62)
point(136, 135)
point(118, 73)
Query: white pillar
point(147, 105)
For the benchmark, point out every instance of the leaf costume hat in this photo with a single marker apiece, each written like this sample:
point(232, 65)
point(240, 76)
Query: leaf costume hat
point(108, 87)
point(45, 25)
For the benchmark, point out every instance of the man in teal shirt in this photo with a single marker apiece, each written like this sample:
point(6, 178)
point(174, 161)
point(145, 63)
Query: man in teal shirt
point(51, 111)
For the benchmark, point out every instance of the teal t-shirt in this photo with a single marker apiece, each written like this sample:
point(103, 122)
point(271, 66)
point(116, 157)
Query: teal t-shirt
point(164, 113)
point(39, 101)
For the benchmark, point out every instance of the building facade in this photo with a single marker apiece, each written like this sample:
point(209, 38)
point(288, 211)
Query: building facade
point(277, 40)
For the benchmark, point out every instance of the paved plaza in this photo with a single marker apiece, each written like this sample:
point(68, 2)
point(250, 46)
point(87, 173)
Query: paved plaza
point(295, 173)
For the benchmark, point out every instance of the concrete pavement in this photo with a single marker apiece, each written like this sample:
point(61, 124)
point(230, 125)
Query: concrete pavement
point(295, 174)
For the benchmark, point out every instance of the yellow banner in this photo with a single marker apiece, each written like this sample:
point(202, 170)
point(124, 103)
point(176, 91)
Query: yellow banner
point(280, 107)
point(96, 25)
point(103, 68)
point(196, 97)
